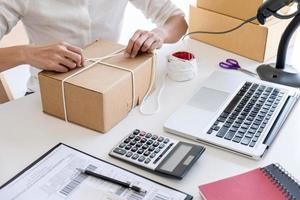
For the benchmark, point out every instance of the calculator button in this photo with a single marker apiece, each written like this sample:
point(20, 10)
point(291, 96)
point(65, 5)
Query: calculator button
point(132, 143)
point(131, 136)
point(145, 146)
point(140, 151)
point(149, 142)
point(138, 144)
point(160, 139)
point(154, 137)
point(128, 147)
point(161, 146)
point(148, 135)
point(120, 151)
point(151, 148)
point(136, 131)
point(134, 149)
point(147, 160)
point(143, 140)
point(155, 144)
point(122, 145)
point(157, 150)
point(137, 138)
point(142, 133)
point(147, 153)
point(135, 156)
point(141, 159)
point(129, 154)
point(152, 155)
point(166, 140)
point(127, 140)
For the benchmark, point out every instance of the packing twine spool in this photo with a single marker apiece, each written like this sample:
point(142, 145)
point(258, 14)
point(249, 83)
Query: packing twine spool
point(181, 66)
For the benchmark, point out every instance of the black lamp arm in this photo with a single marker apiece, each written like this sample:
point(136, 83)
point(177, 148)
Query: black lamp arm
point(285, 40)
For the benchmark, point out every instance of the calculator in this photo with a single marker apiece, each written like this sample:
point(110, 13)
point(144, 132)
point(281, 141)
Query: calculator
point(157, 153)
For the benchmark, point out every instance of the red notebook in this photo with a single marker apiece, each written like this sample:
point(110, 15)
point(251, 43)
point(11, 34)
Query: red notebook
point(268, 183)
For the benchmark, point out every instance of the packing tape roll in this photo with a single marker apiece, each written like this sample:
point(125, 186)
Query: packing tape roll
point(182, 66)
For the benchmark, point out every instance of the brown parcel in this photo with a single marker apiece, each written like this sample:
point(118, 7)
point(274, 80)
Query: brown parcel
point(241, 9)
point(101, 96)
point(253, 41)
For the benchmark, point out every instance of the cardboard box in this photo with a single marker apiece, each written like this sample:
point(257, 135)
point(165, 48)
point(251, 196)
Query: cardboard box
point(253, 41)
point(240, 9)
point(101, 96)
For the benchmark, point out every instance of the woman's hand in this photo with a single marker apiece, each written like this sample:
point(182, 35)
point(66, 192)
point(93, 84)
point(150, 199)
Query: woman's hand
point(145, 41)
point(60, 57)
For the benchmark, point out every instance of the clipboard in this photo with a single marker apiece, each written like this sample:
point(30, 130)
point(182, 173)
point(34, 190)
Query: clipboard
point(40, 159)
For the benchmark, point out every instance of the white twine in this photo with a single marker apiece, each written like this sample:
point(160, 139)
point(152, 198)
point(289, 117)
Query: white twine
point(178, 70)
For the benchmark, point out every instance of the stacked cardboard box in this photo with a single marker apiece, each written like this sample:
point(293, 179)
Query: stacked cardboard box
point(253, 41)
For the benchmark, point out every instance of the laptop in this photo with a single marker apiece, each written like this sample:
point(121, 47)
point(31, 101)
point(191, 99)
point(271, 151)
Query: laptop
point(234, 112)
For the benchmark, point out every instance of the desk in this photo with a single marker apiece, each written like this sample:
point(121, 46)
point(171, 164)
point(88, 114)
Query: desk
point(26, 133)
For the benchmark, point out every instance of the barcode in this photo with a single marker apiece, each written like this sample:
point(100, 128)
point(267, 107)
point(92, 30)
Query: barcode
point(75, 182)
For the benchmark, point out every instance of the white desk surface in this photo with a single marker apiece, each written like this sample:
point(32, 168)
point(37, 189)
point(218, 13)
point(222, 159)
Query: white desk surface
point(26, 132)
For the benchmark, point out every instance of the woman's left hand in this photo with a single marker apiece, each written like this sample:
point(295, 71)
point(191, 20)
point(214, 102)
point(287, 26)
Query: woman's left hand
point(145, 41)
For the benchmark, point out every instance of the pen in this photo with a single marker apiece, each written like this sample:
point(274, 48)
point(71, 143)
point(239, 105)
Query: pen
point(115, 181)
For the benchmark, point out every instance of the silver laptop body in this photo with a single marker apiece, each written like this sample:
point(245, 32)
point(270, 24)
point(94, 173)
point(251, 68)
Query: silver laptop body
point(200, 118)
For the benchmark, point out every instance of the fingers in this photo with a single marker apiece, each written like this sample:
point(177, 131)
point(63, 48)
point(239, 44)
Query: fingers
point(78, 51)
point(138, 44)
point(72, 53)
point(132, 41)
point(67, 63)
point(59, 68)
point(155, 45)
point(73, 57)
point(147, 44)
point(143, 41)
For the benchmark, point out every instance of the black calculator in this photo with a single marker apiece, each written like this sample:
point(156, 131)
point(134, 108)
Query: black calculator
point(159, 154)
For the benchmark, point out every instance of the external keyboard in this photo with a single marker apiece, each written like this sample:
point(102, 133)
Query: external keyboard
point(248, 113)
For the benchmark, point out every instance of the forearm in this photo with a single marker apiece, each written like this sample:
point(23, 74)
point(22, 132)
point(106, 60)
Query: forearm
point(60, 57)
point(11, 57)
point(174, 28)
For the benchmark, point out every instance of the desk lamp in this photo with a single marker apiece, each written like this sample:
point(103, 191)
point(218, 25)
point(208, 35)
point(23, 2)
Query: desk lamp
point(281, 73)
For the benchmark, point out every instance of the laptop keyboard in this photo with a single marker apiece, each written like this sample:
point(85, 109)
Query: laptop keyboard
point(246, 116)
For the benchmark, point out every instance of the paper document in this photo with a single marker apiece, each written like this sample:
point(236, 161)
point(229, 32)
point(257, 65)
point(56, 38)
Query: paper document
point(55, 177)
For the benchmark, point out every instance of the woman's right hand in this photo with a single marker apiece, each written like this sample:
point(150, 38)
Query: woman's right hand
point(60, 57)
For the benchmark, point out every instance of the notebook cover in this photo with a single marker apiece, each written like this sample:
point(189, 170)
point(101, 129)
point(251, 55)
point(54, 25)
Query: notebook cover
point(284, 179)
point(251, 185)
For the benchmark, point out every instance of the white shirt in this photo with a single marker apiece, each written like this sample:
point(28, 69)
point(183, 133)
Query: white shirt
point(78, 22)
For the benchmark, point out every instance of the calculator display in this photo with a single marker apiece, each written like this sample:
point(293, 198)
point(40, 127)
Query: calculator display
point(176, 158)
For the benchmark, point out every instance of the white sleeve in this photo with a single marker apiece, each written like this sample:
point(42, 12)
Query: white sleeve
point(159, 11)
point(11, 11)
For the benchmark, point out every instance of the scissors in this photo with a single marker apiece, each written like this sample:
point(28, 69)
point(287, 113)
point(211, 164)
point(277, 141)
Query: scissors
point(233, 64)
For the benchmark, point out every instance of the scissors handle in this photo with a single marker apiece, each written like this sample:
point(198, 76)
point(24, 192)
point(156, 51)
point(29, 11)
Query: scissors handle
point(227, 65)
point(232, 62)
